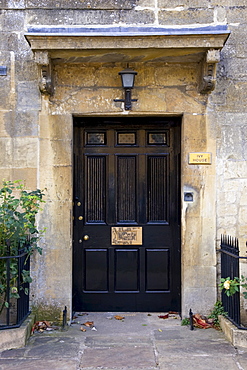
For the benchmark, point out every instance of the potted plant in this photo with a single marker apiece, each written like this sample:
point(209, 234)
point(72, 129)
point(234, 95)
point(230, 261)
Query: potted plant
point(18, 237)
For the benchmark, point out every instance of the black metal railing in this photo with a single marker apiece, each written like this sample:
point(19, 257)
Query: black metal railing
point(14, 310)
point(229, 249)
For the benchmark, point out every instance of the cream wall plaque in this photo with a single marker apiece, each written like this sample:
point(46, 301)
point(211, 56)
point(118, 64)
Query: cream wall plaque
point(200, 158)
point(126, 235)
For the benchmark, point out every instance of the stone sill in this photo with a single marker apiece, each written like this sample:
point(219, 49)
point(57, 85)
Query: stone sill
point(17, 337)
point(236, 336)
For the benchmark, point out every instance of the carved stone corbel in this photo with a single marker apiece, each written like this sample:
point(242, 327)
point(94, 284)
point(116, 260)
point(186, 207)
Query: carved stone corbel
point(208, 77)
point(43, 60)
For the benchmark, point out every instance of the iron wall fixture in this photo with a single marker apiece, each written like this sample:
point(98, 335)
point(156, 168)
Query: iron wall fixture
point(128, 80)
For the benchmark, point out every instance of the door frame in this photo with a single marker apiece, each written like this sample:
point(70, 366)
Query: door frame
point(178, 123)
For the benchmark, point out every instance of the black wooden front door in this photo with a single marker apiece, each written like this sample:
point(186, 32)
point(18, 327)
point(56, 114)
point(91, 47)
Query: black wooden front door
point(126, 214)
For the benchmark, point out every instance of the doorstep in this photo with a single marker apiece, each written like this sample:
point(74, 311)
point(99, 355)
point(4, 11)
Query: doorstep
point(236, 336)
point(17, 337)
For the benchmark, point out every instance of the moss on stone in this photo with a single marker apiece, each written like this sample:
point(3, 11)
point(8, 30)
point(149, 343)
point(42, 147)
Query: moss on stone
point(50, 312)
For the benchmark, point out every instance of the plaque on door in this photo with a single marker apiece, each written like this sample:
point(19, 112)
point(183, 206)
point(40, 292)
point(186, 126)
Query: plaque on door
point(126, 235)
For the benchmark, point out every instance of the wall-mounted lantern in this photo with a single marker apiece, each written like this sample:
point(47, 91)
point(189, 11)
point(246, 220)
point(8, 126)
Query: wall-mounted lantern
point(128, 80)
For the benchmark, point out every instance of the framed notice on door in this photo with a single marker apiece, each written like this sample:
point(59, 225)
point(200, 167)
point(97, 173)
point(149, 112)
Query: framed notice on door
point(126, 235)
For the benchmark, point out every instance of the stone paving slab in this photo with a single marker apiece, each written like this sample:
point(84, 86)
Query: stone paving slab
point(115, 341)
point(127, 356)
point(30, 364)
point(139, 342)
point(197, 362)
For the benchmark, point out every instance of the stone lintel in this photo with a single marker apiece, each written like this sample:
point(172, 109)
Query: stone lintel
point(80, 39)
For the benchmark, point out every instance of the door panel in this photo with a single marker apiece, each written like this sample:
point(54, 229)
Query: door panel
point(96, 269)
point(127, 204)
point(126, 270)
point(158, 176)
point(157, 269)
point(126, 189)
point(95, 199)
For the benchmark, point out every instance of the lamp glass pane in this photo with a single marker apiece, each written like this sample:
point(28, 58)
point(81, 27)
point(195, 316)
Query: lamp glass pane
point(128, 80)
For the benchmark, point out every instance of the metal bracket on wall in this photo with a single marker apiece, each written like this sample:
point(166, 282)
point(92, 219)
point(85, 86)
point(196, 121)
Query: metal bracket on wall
point(208, 74)
point(44, 62)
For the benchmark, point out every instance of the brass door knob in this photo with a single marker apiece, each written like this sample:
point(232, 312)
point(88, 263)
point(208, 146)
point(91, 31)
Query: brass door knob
point(85, 237)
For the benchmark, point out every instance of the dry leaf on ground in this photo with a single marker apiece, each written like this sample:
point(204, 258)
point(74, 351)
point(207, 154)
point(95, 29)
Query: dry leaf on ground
point(201, 322)
point(117, 317)
point(41, 326)
point(163, 316)
point(89, 324)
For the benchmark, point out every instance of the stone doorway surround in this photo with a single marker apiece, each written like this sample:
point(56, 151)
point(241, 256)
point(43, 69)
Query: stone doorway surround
point(78, 75)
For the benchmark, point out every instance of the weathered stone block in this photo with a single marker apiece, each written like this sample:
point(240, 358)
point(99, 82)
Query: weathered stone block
point(81, 4)
point(3, 4)
point(227, 223)
point(6, 157)
point(9, 41)
point(192, 15)
point(145, 3)
point(235, 169)
point(5, 96)
point(200, 299)
point(12, 4)
point(81, 75)
point(90, 100)
point(28, 96)
point(72, 17)
point(233, 137)
point(221, 14)
point(227, 3)
point(58, 181)
point(242, 215)
point(58, 152)
point(5, 131)
point(236, 94)
point(137, 17)
point(207, 275)
point(19, 123)
point(26, 70)
point(176, 103)
point(171, 75)
point(183, 4)
point(13, 21)
point(232, 67)
point(5, 174)
point(25, 152)
point(49, 312)
point(238, 13)
point(25, 124)
point(243, 198)
point(57, 127)
point(27, 175)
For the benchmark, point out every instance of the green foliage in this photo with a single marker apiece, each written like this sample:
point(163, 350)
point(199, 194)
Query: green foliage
point(244, 285)
point(218, 310)
point(18, 210)
point(229, 286)
point(185, 321)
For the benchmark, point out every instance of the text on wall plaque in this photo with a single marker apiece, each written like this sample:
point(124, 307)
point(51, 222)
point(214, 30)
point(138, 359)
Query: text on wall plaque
point(126, 235)
point(200, 158)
